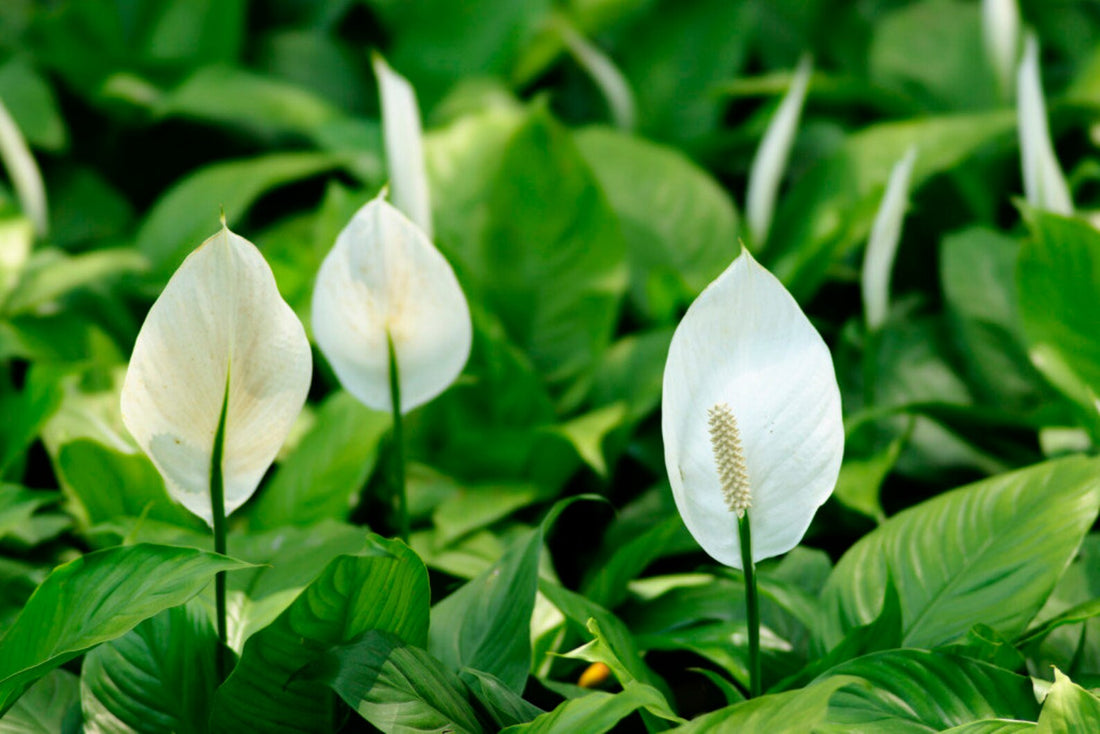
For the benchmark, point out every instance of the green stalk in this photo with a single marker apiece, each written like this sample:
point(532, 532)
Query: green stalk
point(217, 503)
point(398, 445)
point(752, 604)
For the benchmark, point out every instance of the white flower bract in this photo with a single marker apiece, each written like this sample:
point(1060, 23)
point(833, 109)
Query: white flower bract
point(383, 277)
point(220, 320)
point(745, 344)
point(1044, 183)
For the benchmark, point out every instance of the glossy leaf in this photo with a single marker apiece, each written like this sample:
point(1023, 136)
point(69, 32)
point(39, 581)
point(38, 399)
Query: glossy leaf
point(990, 552)
point(1067, 708)
point(386, 590)
point(158, 678)
point(94, 599)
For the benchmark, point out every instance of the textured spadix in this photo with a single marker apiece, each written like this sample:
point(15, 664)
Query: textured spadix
point(383, 277)
point(746, 344)
point(219, 323)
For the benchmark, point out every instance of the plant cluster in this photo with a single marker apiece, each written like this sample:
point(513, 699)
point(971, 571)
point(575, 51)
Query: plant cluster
point(486, 407)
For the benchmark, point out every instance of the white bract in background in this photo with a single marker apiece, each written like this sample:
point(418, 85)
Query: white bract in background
point(746, 344)
point(219, 331)
point(384, 280)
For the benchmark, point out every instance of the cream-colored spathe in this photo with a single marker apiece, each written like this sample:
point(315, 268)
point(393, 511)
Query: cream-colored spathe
point(745, 343)
point(219, 318)
point(384, 276)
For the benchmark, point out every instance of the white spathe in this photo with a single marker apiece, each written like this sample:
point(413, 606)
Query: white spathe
point(882, 245)
point(383, 277)
point(219, 319)
point(745, 342)
point(770, 162)
point(1001, 35)
point(1044, 183)
point(404, 145)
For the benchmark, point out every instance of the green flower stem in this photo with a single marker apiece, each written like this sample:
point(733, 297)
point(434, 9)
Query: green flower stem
point(752, 604)
point(398, 446)
point(217, 502)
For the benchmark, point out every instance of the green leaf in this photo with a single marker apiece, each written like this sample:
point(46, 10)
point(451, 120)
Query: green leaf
point(260, 105)
point(586, 434)
point(32, 105)
point(18, 505)
point(679, 224)
point(474, 507)
point(486, 624)
point(1068, 708)
point(674, 54)
point(990, 552)
point(593, 713)
point(504, 706)
point(397, 687)
point(386, 591)
point(829, 211)
point(324, 474)
point(51, 274)
point(187, 213)
point(94, 599)
point(25, 413)
point(158, 678)
point(1058, 275)
point(933, 51)
point(992, 726)
point(606, 583)
point(50, 706)
point(920, 691)
point(977, 269)
point(791, 712)
point(553, 261)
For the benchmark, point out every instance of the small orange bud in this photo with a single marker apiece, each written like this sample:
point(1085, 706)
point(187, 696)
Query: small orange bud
point(594, 675)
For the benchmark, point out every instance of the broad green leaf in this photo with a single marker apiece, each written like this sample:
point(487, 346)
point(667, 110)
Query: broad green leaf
point(993, 726)
point(606, 583)
point(260, 105)
point(586, 434)
point(287, 560)
point(485, 624)
point(600, 650)
point(1068, 708)
point(387, 591)
point(554, 253)
point(184, 215)
point(504, 706)
point(829, 211)
point(674, 54)
point(108, 484)
point(920, 691)
point(50, 706)
point(593, 713)
point(190, 31)
point(476, 38)
point(398, 687)
point(478, 506)
point(32, 103)
point(158, 678)
point(18, 505)
point(25, 412)
point(679, 225)
point(1058, 275)
point(791, 712)
point(977, 270)
point(323, 475)
point(94, 599)
point(932, 51)
point(990, 552)
point(51, 274)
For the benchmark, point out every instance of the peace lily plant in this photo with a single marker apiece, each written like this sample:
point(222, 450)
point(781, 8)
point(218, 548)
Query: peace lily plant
point(388, 311)
point(752, 424)
point(219, 373)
